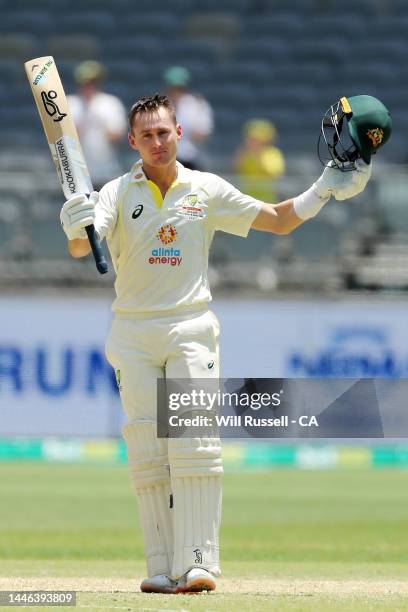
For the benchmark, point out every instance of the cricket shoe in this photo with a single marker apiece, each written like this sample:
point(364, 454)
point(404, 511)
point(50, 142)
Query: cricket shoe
point(159, 584)
point(196, 580)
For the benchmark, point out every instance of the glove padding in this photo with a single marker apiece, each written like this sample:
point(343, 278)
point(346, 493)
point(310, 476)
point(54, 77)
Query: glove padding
point(77, 213)
point(343, 185)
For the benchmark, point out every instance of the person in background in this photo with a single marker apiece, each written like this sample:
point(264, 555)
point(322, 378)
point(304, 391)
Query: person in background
point(258, 162)
point(101, 122)
point(193, 112)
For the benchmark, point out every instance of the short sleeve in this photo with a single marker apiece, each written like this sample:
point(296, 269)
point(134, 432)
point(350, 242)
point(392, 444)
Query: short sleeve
point(106, 210)
point(230, 210)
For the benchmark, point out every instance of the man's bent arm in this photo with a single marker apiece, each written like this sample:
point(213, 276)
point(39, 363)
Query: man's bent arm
point(286, 216)
point(277, 218)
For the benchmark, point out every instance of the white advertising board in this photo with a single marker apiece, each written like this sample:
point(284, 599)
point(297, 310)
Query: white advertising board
point(300, 338)
point(54, 379)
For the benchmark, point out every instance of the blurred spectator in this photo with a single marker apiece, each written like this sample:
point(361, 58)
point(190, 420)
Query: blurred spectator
point(193, 113)
point(101, 122)
point(258, 162)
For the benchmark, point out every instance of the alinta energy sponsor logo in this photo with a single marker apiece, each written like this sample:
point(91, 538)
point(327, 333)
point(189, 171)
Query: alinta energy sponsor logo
point(166, 256)
point(167, 234)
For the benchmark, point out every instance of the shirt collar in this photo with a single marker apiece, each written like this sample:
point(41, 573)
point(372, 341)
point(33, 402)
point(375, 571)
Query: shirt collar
point(183, 174)
point(138, 176)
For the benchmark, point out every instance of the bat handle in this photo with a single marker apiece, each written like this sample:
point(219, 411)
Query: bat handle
point(101, 263)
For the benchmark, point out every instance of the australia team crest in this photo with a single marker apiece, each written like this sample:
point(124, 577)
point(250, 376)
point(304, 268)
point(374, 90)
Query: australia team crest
point(376, 136)
point(190, 207)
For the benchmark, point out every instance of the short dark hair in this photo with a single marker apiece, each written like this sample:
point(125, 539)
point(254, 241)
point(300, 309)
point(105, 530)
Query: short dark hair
point(150, 104)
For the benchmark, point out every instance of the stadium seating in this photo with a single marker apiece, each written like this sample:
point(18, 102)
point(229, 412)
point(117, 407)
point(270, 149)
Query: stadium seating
point(250, 58)
point(104, 23)
point(160, 24)
point(243, 43)
point(18, 47)
point(77, 47)
point(274, 25)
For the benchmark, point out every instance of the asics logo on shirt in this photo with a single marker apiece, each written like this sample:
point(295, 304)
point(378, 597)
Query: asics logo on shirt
point(137, 212)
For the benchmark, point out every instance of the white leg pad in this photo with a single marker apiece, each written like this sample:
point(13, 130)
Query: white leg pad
point(196, 472)
point(149, 473)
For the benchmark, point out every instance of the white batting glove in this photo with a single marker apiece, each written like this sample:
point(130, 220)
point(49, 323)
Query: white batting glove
point(343, 185)
point(77, 213)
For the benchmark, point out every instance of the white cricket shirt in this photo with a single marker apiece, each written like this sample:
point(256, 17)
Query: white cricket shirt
point(159, 247)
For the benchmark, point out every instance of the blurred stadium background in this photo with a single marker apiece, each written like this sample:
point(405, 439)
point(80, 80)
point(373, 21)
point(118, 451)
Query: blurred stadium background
point(250, 58)
point(328, 300)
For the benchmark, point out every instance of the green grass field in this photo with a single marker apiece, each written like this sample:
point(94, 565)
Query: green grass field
point(291, 540)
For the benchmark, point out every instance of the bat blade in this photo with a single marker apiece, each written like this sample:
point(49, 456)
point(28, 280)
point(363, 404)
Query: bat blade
point(62, 138)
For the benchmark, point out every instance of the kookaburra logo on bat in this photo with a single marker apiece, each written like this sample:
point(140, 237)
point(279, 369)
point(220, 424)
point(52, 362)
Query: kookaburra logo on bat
point(50, 106)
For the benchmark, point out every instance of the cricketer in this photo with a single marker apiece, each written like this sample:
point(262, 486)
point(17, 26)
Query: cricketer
point(159, 220)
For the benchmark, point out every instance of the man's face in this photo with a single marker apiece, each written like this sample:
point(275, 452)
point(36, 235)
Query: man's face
point(156, 137)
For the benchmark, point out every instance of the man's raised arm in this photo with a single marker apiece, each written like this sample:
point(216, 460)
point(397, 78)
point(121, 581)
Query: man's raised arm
point(286, 216)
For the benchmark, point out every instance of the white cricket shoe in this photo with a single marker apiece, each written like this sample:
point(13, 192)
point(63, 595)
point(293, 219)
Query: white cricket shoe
point(195, 580)
point(159, 584)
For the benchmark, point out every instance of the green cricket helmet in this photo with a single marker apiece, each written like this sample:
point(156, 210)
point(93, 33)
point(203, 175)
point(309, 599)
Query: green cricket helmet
point(353, 128)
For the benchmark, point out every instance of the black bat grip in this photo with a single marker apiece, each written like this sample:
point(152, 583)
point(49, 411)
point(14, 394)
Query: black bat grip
point(101, 263)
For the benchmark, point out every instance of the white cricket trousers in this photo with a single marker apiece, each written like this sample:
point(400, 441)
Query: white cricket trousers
point(144, 348)
point(177, 481)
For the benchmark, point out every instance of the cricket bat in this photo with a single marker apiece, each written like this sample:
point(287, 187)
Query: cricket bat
point(62, 138)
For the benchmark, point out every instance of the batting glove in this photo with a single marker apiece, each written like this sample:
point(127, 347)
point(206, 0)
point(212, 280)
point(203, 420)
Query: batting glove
point(77, 213)
point(343, 185)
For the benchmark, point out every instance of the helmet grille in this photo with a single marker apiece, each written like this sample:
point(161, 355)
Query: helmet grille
point(335, 143)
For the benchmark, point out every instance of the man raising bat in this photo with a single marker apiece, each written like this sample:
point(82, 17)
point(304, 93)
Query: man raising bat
point(62, 139)
point(159, 220)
